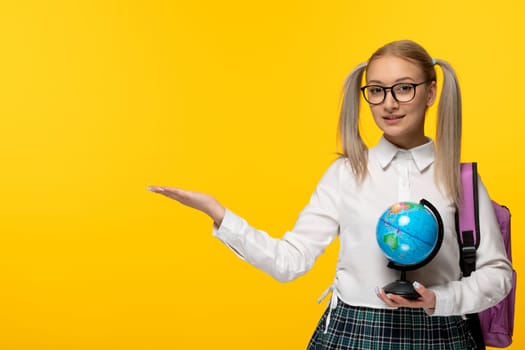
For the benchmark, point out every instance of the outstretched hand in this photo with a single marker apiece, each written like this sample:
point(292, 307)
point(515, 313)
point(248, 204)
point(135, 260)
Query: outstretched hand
point(200, 201)
point(426, 301)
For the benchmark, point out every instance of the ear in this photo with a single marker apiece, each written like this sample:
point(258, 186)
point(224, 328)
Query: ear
point(432, 92)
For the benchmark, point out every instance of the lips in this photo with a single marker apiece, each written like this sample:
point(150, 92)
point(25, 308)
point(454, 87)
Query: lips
point(393, 117)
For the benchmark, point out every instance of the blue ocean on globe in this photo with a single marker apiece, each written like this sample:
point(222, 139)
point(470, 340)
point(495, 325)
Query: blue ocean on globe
point(407, 233)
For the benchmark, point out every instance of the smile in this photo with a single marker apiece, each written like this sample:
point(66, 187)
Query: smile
point(393, 117)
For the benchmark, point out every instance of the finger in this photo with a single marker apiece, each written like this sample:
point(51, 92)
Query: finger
point(425, 293)
point(420, 288)
point(386, 298)
point(169, 191)
point(428, 298)
point(395, 300)
point(155, 189)
point(177, 191)
point(183, 196)
point(192, 199)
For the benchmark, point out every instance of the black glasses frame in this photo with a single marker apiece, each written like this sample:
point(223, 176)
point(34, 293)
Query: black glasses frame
point(391, 88)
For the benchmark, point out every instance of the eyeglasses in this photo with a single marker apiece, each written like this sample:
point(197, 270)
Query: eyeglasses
point(401, 92)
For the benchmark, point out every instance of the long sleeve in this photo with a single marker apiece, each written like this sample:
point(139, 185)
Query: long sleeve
point(290, 257)
point(491, 281)
point(341, 205)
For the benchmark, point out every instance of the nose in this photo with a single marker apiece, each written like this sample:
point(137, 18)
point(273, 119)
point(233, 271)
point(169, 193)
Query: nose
point(390, 102)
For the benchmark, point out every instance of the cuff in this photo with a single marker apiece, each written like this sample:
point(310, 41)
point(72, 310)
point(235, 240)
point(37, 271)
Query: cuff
point(230, 231)
point(444, 306)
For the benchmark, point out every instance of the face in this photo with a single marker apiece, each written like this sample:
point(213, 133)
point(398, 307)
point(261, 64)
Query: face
point(401, 122)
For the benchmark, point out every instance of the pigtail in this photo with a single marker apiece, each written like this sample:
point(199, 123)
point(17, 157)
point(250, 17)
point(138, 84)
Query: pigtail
point(353, 146)
point(448, 134)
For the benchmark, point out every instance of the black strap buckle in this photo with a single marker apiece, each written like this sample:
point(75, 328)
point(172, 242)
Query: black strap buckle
point(468, 260)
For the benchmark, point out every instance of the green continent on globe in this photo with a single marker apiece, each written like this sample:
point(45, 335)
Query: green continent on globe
point(391, 240)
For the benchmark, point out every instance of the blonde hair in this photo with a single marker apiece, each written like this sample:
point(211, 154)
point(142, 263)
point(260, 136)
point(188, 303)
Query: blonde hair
point(448, 133)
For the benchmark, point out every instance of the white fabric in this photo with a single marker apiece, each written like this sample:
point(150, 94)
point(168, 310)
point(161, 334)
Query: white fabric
point(341, 207)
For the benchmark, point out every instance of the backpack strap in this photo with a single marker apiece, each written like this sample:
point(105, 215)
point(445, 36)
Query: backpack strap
point(468, 218)
point(467, 228)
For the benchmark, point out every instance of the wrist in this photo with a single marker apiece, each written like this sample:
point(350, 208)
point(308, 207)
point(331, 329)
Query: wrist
point(217, 212)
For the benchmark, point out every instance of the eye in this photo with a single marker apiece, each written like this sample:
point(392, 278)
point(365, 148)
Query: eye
point(375, 90)
point(403, 88)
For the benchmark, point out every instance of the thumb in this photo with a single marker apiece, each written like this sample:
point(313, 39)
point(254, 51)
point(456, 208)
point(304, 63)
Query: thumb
point(427, 295)
point(419, 287)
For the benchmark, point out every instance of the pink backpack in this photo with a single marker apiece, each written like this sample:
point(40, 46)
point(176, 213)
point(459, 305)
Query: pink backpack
point(493, 327)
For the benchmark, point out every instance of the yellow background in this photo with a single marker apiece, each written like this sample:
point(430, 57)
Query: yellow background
point(100, 99)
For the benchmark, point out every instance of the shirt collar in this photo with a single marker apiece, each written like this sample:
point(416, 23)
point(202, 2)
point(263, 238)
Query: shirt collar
point(422, 155)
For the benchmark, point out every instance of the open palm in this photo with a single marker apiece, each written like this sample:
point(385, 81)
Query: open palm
point(197, 200)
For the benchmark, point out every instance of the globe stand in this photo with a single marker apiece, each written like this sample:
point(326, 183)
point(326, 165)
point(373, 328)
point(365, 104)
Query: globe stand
point(402, 287)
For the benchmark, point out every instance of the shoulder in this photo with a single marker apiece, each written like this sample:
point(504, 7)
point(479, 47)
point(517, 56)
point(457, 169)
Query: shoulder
point(339, 171)
point(340, 166)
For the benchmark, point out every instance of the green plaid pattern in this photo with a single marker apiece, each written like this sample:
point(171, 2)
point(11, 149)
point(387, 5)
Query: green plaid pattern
point(363, 328)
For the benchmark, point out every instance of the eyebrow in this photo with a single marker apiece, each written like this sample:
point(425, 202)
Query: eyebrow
point(396, 81)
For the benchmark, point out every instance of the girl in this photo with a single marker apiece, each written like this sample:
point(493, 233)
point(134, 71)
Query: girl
point(405, 165)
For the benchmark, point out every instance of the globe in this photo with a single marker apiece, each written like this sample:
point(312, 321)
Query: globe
point(410, 235)
point(407, 233)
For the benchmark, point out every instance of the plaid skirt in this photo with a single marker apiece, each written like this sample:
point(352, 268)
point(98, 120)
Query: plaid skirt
point(355, 327)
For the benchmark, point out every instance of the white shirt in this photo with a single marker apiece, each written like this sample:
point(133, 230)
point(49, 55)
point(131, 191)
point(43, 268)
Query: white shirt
point(342, 207)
